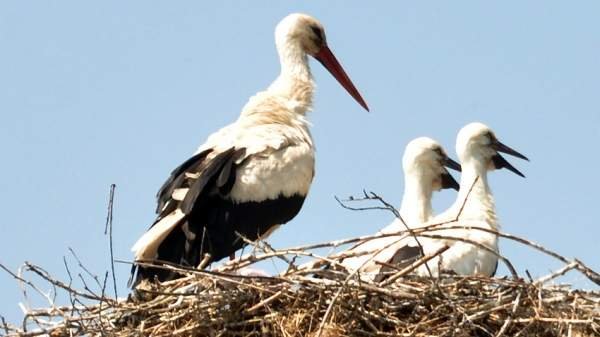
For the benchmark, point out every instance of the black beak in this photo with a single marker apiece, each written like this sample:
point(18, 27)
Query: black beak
point(448, 180)
point(500, 162)
point(450, 163)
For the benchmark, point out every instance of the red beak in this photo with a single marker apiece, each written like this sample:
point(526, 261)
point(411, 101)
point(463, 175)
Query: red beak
point(328, 60)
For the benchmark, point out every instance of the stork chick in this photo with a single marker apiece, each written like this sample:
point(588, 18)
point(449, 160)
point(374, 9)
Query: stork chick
point(424, 164)
point(479, 150)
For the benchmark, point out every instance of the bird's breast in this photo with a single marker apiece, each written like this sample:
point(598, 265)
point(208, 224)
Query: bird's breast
point(286, 172)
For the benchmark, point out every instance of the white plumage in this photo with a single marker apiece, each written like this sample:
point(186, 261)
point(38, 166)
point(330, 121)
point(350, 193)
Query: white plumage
point(282, 157)
point(250, 176)
point(424, 164)
point(424, 169)
point(478, 150)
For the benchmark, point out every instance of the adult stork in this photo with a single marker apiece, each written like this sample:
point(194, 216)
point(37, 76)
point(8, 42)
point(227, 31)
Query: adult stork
point(469, 250)
point(252, 175)
point(425, 164)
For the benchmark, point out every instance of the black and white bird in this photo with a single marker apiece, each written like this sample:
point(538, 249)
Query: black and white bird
point(424, 164)
point(479, 150)
point(251, 176)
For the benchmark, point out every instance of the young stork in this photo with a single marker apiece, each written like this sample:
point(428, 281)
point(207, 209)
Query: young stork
point(424, 164)
point(251, 176)
point(479, 150)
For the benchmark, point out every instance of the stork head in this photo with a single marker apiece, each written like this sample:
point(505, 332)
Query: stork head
point(307, 33)
point(476, 142)
point(426, 159)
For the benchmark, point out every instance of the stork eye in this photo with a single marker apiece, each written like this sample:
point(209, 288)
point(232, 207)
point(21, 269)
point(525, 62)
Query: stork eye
point(491, 136)
point(320, 36)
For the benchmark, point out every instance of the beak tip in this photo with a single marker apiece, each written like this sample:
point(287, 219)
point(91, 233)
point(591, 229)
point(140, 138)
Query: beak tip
point(327, 59)
point(361, 102)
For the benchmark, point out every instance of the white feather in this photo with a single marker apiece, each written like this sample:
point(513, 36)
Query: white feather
point(179, 193)
point(279, 158)
point(146, 247)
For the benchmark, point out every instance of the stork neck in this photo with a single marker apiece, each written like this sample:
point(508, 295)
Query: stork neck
point(416, 202)
point(294, 63)
point(295, 81)
point(475, 196)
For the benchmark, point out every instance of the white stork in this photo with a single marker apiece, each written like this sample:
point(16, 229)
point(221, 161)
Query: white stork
point(424, 164)
point(251, 176)
point(479, 152)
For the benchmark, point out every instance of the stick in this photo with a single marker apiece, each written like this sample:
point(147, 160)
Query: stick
point(108, 228)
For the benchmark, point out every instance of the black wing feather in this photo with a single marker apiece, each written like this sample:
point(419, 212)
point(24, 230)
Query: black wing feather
point(212, 220)
point(177, 178)
point(401, 258)
point(495, 269)
point(172, 249)
point(227, 176)
point(214, 166)
point(405, 256)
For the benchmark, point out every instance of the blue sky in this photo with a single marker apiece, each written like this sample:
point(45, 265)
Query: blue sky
point(122, 92)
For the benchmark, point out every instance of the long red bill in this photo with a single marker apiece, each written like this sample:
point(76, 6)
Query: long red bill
point(328, 60)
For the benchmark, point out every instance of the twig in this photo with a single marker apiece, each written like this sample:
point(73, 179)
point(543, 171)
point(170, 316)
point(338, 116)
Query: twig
point(370, 208)
point(509, 320)
point(556, 274)
point(108, 229)
point(93, 276)
point(264, 302)
point(587, 271)
point(204, 262)
point(43, 274)
point(508, 264)
point(102, 332)
point(4, 324)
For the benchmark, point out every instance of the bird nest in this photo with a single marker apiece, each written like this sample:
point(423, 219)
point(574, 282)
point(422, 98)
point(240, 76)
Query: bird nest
point(313, 299)
point(308, 300)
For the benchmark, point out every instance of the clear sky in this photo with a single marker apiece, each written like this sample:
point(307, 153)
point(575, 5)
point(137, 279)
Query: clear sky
point(123, 91)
